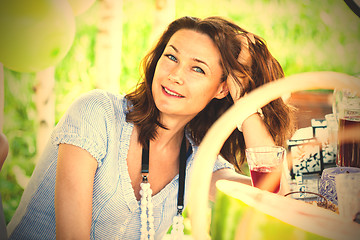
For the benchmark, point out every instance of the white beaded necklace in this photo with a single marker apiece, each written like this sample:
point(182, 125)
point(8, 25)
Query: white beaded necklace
point(146, 206)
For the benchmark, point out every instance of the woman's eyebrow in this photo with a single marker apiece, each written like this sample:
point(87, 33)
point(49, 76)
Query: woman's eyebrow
point(200, 61)
point(194, 59)
point(173, 47)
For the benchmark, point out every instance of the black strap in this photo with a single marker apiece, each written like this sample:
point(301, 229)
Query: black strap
point(182, 171)
point(145, 162)
point(145, 158)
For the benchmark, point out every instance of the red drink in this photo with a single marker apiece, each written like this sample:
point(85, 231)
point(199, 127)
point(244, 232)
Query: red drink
point(266, 178)
point(349, 149)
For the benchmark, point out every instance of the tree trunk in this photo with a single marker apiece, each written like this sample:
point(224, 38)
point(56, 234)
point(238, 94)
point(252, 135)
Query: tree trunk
point(108, 45)
point(164, 14)
point(45, 105)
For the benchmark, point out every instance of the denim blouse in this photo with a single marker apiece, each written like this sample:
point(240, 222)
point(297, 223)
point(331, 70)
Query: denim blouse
point(96, 122)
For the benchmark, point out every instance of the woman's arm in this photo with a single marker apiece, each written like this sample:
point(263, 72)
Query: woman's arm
point(73, 192)
point(255, 132)
point(253, 127)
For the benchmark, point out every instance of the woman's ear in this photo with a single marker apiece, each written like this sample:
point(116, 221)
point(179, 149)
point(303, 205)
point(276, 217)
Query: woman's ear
point(223, 91)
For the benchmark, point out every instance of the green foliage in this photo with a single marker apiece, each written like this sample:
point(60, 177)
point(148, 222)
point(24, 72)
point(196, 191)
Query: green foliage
point(19, 129)
point(304, 35)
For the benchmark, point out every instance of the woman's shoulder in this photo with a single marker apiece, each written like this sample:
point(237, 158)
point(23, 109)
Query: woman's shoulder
point(100, 95)
point(102, 100)
point(98, 107)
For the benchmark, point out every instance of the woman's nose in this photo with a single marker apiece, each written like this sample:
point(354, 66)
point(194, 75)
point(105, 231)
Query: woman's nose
point(177, 75)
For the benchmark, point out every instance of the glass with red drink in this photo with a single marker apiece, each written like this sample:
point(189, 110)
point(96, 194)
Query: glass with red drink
point(265, 165)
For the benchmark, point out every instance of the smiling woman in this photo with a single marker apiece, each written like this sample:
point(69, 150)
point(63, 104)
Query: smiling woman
point(188, 75)
point(109, 151)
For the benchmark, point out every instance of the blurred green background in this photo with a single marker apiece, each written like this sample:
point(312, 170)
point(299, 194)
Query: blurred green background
point(304, 35)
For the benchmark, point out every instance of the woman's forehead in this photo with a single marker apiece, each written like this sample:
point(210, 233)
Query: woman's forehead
point(194, 44)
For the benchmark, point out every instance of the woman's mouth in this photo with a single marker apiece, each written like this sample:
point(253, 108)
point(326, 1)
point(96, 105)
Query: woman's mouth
point(171, 93)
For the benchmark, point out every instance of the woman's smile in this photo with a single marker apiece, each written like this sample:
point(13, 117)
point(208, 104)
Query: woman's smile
point(171, 93)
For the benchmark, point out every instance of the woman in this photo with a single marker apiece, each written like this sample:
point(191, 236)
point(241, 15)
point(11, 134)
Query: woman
point(107, 148)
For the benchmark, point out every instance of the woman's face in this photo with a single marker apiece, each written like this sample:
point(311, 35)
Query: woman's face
point(188, 75)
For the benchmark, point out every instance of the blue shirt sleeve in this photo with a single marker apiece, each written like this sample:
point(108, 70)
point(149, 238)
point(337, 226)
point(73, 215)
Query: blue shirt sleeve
point(221, 163)
point(86, 124)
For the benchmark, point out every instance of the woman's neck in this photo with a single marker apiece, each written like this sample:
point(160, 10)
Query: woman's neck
point(167, 139)
point(173, 135)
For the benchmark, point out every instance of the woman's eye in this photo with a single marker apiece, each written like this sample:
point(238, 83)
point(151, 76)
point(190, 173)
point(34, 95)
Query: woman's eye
point(171, 57)
point(199, 70)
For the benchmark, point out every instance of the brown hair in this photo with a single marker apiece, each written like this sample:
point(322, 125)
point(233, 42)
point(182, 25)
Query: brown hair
point(264, 68)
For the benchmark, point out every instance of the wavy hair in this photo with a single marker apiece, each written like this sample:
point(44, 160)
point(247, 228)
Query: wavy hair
point(264, 68)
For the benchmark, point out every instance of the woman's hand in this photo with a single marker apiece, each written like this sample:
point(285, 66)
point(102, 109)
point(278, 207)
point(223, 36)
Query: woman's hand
point(253, 127)
point(73, 192)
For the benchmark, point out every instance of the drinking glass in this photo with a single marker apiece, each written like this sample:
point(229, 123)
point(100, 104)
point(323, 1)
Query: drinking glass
point(347, 111)
point(265, 165)
point(348, 194)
